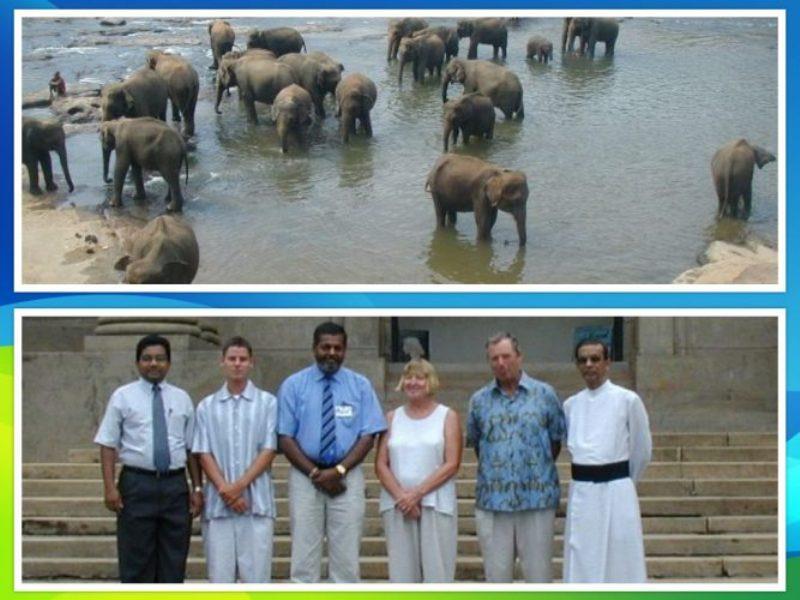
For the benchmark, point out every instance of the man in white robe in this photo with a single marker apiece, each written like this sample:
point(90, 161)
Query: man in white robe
point(608, 436)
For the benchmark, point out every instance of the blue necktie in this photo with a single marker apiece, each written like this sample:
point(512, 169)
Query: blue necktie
point(160, 443)
point(327, 441)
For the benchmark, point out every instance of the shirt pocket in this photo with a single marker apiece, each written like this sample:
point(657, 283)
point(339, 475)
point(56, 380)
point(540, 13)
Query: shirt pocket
point(346, 415)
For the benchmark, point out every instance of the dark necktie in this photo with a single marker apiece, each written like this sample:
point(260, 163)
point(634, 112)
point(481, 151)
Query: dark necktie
point(327, 441)
point(160, 443)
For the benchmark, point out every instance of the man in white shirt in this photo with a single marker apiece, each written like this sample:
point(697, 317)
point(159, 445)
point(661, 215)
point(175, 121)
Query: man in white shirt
point(148, 426)
point(236, 441)
point(608, 436)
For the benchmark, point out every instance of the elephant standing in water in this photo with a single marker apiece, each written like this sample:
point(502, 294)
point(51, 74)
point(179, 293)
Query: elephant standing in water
point(258, 78)
point(539, 48)
point(291, 112)
point(280, 41)
point(317, 73)
point(448, 35)
point(484, 31)
point(144, 143)
point(164, 251)
point(39, 138)
point(399, 29)
point(222, 37)
point(460, 183)
point(143, 94)
point(424, 53)
point(494, 81)
point(732, 171)
point(471, 114)
point(183, 86)
point(355, 97)
point(591, 31)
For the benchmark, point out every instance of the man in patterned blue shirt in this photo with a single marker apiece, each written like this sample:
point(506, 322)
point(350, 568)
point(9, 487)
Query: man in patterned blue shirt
point(515, 425)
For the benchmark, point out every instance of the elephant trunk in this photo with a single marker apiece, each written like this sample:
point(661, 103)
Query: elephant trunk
point(445, 84)
point(62, 156)
point(220, 89)
point(448, 129)
point(106, 159)
point(402, 64)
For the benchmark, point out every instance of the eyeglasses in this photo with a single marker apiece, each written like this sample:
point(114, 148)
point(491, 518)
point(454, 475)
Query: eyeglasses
point(158, 358)
point(583, 360)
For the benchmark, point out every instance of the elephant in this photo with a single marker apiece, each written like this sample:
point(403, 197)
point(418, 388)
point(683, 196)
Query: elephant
point(539, 48)
point(222, 37)
point(424, 53)
point(163, 251)
point(143, 94)
point(568, 34)
point(448, 35)
point(144, 143)
point(472, 114)
point(484, 31)
point(732, 171)
point(496, 82)
point(291, 112)
point(317, 72)
point(461, 183)
point(593, 30)
point(399, 29)
point(281, 40)
point(183, 86)
point(39, 138)
point(258, 79)
point(355, 96)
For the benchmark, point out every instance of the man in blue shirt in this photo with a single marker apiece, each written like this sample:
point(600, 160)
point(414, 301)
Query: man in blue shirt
point(516, 425)
point(328, 417)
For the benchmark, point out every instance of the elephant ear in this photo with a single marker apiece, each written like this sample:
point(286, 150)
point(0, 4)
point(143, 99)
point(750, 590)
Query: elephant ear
point(763, 157)
point(177, 272)
point(493, 189)
point(130, 104)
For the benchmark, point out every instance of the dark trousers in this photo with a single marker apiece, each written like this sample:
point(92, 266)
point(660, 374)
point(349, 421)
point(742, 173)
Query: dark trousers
point(153, 528)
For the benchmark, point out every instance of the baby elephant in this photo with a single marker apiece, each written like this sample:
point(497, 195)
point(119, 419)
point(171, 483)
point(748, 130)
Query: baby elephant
point(144, 143)
point(291, 112)
point(164, 251)
point(539, 48)
point(472, 114)
point(467, 184)
point(424, 53)
point(39, 138)
point(732, 170)
point(355, 97)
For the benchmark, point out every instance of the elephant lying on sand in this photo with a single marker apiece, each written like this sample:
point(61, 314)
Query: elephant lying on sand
point(494, 81)
point(143, 94)
point(471, 114)
point(466, 184)
point(402, 28)
point(39, 138)
point(280, 41)
point(144, 143)
point(732, 171)
point(291, 112)
point(183, 85)
point(484, 31)
point(222, 37)
point(257, 77)
point(355, 97)
point(164, 251)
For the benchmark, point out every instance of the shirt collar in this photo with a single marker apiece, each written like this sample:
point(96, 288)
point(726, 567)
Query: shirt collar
point(248, 393)
point(149, 386)
point(320, 374)
point(604, 387)
point(526, 382)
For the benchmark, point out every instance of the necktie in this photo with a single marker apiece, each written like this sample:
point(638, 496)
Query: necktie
point(327, 442)
point(160, 444)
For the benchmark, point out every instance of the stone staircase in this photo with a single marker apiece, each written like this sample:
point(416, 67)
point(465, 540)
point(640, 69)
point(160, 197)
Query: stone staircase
point(709, 505)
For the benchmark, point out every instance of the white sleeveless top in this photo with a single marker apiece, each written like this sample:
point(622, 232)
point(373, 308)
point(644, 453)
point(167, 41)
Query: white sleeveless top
point(416, 449)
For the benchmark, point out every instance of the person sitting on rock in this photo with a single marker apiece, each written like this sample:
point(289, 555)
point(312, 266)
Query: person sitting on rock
point(58, 86)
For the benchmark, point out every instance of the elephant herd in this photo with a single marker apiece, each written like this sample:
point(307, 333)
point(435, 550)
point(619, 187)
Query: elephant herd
point(277, 69)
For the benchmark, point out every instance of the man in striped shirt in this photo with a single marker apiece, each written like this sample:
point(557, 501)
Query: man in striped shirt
point(235, 438)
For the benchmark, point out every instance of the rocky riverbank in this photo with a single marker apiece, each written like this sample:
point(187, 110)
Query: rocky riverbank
point(724, 262)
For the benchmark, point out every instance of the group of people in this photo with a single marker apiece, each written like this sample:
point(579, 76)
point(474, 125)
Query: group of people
point(325, 420)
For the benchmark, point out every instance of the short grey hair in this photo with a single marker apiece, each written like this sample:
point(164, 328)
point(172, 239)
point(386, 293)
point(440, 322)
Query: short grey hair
point(503, 335)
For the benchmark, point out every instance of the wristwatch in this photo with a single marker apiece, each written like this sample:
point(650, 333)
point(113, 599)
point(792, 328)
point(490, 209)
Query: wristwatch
point(198, 488)
point(340, 468)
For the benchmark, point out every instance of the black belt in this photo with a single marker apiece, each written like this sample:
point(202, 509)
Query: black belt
point(601, 473)
point(156, 474)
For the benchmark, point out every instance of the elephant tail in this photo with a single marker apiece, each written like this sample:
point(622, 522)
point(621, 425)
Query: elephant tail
point(186, 165)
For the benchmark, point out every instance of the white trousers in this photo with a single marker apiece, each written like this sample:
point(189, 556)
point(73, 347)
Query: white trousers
point(313, 516)
point(240, 544)
point(526, 534)
point(421, 550)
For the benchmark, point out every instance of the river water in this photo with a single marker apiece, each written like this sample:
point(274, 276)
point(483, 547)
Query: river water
point(616, 151)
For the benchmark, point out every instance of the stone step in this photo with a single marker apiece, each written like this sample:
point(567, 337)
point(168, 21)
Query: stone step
point(92, 506)
point(660, 454)
point(656, 470)
point(655, 545)
point(376, 568)
point(37, 488)
point(466, 525)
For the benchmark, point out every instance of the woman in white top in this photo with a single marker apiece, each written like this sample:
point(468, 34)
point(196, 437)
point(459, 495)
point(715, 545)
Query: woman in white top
point(417, 460)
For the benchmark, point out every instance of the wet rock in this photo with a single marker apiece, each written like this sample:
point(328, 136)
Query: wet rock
point(77, 110)
point(113, 22)
point(723, 262)
point(41, 98)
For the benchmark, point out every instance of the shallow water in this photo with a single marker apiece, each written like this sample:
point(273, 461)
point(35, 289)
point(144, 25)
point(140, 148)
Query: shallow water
point(616, 152)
